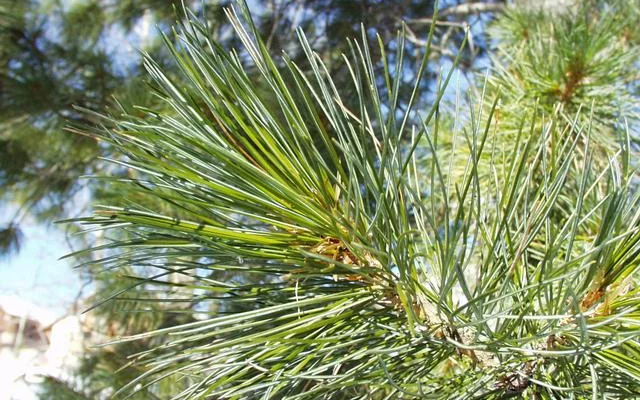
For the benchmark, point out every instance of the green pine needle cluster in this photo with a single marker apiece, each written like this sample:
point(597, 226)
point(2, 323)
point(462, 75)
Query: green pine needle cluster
point(586, 58)
point(334, 250)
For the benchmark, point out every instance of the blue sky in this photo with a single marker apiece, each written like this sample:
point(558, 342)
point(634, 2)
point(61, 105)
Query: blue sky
point(35, 273)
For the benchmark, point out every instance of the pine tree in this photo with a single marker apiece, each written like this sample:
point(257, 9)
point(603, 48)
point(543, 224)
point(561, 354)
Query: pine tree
point(382, 249)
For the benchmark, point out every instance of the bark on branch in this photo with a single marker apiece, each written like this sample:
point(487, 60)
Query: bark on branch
point(461, 10)
point(471, 8)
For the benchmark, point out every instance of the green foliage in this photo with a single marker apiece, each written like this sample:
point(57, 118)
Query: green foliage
point(56, 55)
point(53, 388)
point(10, 240)
point(575, 69)
point(319, 248)
point(41, 77)
point(580, 59)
